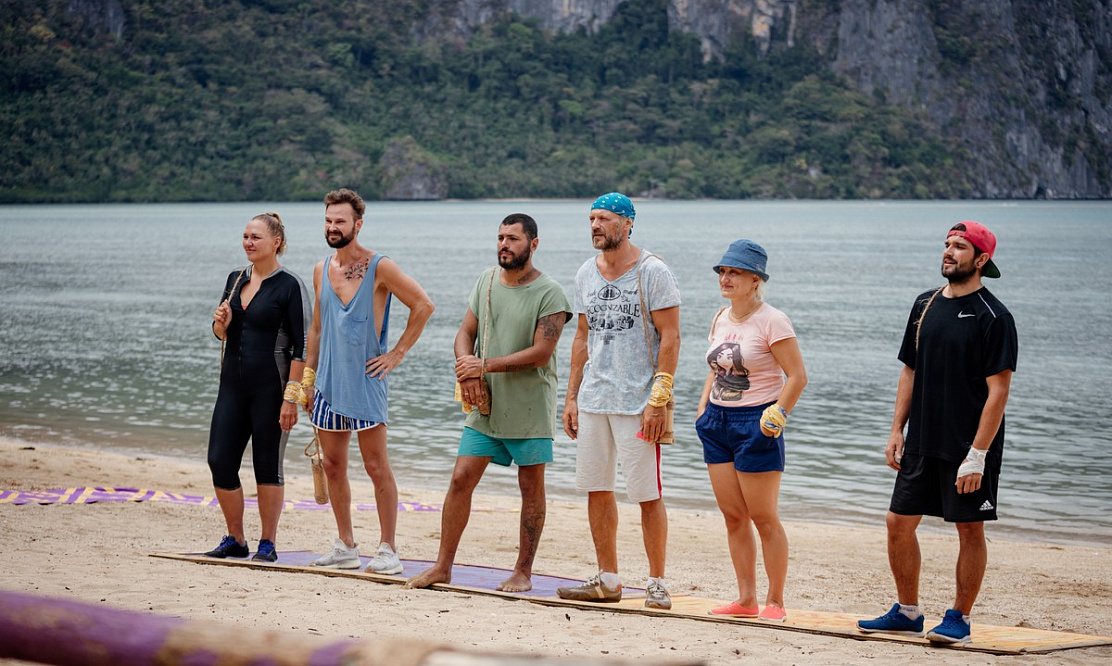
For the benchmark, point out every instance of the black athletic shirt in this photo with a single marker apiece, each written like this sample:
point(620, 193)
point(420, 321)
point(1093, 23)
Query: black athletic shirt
point(961, 342)
point(272, 331)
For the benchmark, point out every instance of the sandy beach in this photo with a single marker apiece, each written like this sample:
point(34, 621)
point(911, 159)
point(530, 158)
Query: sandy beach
point(98, 553)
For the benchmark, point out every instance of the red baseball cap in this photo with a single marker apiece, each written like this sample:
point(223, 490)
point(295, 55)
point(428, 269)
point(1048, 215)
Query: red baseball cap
point(982, 239)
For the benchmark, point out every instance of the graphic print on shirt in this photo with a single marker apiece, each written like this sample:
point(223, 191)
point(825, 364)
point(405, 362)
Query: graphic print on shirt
point(731, 377)
point(613, 310)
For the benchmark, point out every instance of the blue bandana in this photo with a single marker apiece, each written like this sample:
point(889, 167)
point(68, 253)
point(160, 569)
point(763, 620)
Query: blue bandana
point(615, 202)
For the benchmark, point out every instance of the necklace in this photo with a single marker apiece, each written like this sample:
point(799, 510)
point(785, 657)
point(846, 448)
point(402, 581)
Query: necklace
point(736, 319)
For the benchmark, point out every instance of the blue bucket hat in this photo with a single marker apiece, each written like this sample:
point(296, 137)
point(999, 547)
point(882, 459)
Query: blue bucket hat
point(745, 255)
point(615, 202)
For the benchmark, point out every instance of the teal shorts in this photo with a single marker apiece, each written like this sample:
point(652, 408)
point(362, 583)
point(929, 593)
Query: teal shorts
point(502, 451)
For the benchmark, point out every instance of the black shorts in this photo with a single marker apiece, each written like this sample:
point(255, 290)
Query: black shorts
point(925, 487)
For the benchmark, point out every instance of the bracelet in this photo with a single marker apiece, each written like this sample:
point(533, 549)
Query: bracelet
point(308, 378)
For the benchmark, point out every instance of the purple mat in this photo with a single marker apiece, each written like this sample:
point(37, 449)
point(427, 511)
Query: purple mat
point(463, 575)
point(91, 495)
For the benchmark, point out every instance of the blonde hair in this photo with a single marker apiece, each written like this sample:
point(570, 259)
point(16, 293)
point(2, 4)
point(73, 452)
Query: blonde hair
point(274, 225)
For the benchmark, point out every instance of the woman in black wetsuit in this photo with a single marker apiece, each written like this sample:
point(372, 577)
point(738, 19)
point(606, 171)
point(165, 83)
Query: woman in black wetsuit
point(263, 318)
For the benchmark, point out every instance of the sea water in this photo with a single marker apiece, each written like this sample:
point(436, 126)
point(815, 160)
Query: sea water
point(105, 315)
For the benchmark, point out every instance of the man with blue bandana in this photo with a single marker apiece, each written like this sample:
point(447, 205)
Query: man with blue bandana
point(625, 351)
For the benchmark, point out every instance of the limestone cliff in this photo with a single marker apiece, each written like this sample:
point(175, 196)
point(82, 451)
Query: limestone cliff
point(1024, 85)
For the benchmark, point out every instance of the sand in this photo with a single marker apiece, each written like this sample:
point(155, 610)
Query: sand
point(98, 553)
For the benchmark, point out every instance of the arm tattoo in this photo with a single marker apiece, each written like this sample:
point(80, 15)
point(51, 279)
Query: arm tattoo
point(551, 326)
point(356, 271)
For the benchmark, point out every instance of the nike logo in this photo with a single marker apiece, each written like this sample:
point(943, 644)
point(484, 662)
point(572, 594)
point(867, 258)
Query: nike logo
point(962, 315)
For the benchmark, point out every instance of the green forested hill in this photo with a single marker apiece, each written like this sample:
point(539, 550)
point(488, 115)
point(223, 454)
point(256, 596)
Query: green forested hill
point(281, 99)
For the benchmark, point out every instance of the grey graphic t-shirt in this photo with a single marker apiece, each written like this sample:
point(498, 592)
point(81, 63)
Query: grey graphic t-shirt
point(618, 376)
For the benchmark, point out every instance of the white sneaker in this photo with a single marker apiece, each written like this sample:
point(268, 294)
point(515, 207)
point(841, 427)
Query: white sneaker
point(341, 557)
point(385, 561)
point(656, 595)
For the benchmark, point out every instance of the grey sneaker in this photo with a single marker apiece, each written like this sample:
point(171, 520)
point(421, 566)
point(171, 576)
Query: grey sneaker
point(341, 557)
point(656, 596)
point(592, 590)
point(385, 561)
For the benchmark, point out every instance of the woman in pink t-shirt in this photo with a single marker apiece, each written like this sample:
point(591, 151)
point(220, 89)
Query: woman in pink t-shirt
point(756, 376)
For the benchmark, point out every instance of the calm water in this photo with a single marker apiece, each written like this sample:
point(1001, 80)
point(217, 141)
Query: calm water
point(107, 343)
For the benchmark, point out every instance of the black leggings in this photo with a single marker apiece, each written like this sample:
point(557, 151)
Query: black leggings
point(247, 407)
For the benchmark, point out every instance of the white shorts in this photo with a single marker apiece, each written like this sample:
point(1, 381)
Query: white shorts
point(608, 439)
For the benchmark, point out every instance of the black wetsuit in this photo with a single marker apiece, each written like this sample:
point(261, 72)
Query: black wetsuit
point(261, 343)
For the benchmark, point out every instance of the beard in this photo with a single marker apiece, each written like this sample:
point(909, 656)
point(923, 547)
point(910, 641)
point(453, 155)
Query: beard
point(342, 241)
point(515, 261)
point(605, 242)
point(958, 273)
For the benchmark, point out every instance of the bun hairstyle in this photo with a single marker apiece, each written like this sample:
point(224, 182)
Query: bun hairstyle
point(274, 226)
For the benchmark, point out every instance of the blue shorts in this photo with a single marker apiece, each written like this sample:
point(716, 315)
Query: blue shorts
point(325, 419)
point(502, 451)
point(733, 434)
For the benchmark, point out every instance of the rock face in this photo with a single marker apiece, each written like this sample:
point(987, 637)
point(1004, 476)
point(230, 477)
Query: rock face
point(1024, 85)
point(410, 173)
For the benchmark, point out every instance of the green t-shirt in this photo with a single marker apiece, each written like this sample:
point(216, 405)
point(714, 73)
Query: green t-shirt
point(523, 404)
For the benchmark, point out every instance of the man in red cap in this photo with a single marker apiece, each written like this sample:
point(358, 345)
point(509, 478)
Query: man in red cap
point(959, 352)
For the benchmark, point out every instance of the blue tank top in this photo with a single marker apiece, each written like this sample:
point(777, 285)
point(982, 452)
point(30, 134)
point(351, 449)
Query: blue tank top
point(347, 342)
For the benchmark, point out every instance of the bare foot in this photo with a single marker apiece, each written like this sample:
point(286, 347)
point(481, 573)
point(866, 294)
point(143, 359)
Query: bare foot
point(430, 577)
point(518, 582)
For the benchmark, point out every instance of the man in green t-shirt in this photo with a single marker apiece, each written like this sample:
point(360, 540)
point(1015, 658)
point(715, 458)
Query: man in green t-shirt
point(506, 367)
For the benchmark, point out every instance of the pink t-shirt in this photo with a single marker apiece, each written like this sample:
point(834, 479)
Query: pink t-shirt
point(740, 356)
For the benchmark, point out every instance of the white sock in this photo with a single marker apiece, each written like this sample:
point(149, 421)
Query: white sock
point(610, 580)
point(912, 612)
point(659, 581)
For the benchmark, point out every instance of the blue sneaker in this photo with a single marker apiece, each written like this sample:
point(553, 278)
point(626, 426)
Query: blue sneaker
point(893, 622)
point(954, 629)
point(266, 552)
point(229, 547)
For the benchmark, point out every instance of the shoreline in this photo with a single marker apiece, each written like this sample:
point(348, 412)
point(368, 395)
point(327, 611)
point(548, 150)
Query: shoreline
point(99, 554)
point(495, 483)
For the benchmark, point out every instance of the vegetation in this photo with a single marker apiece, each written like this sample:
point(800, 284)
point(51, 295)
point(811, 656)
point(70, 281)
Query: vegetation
point(283, 99)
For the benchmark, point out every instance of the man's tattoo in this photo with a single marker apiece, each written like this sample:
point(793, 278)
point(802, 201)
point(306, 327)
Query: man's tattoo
point(529, 277)
point(532, 524)
point(357, 271)
point(550, 326)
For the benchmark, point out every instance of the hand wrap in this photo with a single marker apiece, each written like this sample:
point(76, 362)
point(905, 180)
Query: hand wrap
point(292, 394)
point(308, 381)
point(974, 462)
point(773, 419)
point(662, 389)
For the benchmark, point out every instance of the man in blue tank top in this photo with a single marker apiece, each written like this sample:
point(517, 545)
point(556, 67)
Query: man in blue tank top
point(347, 361)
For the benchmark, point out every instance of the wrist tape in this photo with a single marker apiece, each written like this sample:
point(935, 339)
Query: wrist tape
point(974, 462)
